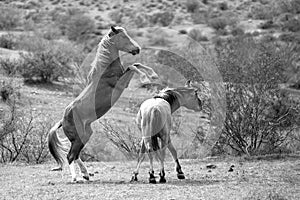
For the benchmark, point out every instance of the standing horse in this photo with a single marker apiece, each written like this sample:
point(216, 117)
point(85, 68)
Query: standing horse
point(154, 121)
point(106, 82)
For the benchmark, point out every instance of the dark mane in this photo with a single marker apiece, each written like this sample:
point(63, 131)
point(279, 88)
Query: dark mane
point(169, 96)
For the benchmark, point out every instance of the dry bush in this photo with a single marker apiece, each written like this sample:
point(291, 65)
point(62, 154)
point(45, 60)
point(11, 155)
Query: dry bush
point(218, 23)
point(124, 140)
point(159, 38)
point(289, 6)
point(162, 18)
point(7, 41)
point(22, 135)
point(197, 35)
point(263, 12)
point(292, 25)
point(192, 5)
point(259, 117)
point(10, 18)
point(116, 16)
point(48, 60)
point(36, 149)
point(8, 66)
point(73, 23)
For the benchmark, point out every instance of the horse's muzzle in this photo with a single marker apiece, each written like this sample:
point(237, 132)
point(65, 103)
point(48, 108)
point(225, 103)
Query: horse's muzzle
point(135, 51)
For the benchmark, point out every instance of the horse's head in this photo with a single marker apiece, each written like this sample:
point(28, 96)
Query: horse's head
point(123, 41)
point(189, 97)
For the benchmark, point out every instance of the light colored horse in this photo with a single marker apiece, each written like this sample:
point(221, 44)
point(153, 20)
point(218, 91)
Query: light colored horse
point(154, 121)
point(106, 82)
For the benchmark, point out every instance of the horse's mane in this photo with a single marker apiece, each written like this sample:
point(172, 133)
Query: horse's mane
point(169, 95)
point(102, 58)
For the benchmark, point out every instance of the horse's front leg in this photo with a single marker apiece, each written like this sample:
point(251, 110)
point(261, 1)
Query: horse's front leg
point(143, 76)
point(151, 73)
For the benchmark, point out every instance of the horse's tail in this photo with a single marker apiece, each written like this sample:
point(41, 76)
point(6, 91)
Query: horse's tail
point(58, 147)
point(153, 126)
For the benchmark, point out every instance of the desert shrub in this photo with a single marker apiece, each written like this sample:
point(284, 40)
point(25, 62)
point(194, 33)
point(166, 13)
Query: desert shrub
point(199, 17)
point(7, 41)
point(197, 35)
point(49, 32)
point(223, 6)
point(116, 16)
point(9, 66)
point(48, 60)
point(141, 20)
point(9, 18)
point(73, 23)
point(290, 37)
point(237, 31)
point(162, 18)
point(218, 23)
point(21, 138)
point(259, 117)
point(36, 149)
point(192, 5)
point(267, 24)
point(289, 6)
point(264, 12)
point(124, 140)
point(292, 25)
point(159, 38)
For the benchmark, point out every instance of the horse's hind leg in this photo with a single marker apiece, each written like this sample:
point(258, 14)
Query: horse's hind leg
point(140, 160)
point(161, 155)
point(151, 171)
point(83, 169)
point(72, 170)
point(180, 174)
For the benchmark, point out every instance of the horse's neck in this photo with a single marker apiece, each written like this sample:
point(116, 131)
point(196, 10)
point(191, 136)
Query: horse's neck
point(175, 106)
point(106, 54)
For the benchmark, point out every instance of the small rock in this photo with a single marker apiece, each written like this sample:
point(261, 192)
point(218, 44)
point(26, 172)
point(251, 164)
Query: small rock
point(211, 166)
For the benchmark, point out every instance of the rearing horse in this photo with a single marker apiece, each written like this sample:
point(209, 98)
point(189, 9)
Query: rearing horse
point(106, 82)
point(154, 121)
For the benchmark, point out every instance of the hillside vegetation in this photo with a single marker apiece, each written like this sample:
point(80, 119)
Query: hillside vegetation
point(254, 44)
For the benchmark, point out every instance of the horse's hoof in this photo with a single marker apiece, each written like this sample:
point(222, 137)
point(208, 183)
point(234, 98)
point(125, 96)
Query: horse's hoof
point(180, 176)
point(154, 76)
point(86, 177)
point(162, 180)
point(152, 180)
point(79, 181)
point(133, 178)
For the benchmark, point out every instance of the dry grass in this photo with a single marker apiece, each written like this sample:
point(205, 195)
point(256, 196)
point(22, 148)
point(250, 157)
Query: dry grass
point(275, 179)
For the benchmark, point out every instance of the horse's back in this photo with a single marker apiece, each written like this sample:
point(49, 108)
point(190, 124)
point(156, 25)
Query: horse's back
point(155, 115)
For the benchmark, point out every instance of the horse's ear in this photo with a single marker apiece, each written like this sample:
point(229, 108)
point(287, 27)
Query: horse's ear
point(114, 29)
point(188, 83)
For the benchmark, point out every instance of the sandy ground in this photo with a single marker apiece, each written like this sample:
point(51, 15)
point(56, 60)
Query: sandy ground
point(260, 179)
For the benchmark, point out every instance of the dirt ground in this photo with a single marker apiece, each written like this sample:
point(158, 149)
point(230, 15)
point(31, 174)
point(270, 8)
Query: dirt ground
point(259, 179)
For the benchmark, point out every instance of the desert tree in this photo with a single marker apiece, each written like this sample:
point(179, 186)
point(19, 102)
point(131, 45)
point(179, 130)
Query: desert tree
point(259, 116)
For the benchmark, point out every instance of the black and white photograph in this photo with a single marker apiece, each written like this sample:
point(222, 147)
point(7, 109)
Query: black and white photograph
point(150, 99)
